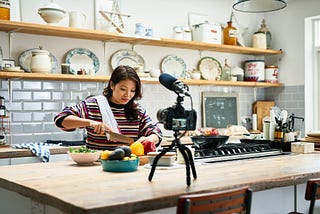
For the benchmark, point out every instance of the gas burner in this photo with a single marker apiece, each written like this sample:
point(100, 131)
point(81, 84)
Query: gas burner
point(235, 152)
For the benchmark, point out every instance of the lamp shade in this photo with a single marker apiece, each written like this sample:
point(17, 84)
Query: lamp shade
point(259, 6)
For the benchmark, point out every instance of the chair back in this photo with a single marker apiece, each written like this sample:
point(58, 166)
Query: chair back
point(312, 193)
point(223, 202)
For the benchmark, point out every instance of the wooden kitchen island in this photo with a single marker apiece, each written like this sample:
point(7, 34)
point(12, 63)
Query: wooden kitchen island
point(69, 188)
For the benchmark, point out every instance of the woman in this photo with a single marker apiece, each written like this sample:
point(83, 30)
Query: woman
point(116, 110)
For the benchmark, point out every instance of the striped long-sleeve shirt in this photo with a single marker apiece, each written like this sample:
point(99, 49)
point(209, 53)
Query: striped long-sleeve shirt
point(89, 109)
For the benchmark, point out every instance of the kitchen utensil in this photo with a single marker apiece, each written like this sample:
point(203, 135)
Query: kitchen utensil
point(284, 116)
point(209, 142)
point(112, 136)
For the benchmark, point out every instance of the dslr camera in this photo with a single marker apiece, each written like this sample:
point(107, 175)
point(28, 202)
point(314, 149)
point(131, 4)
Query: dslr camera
point(176, 118)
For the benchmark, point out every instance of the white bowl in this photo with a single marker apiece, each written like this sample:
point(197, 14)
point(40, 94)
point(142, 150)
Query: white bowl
point(52, 16)
point(84, 158)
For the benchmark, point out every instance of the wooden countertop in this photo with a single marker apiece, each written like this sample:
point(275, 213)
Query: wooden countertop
point(10, 152)
point(75, 189)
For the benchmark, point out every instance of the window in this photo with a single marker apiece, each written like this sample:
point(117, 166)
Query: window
point(312, 76)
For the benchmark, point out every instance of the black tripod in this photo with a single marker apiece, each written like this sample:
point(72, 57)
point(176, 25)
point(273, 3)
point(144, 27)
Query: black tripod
point(187, 156)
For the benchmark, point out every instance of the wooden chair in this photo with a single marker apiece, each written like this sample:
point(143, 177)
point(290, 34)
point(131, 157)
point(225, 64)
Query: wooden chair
point(224, 202)
point(312, 193)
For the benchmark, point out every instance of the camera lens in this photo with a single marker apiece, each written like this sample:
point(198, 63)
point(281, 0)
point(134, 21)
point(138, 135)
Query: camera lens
point(162, 115)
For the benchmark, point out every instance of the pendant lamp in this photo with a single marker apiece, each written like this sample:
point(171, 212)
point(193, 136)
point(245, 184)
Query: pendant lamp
point(259, 6)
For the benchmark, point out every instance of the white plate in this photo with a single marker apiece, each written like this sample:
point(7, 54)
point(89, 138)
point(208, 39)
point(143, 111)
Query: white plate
point(174, 66)
point(81, 58)
point(210, 68)
point(126, 57)
point(25, 61)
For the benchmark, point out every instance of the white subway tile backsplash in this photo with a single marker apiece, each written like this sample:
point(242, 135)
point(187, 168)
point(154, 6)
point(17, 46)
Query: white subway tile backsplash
point(22, 138)
point(21, 95)
point(52, 85)
point(52, 106)
point(44, 95)
point(32, 106)
point(42, 116)
point(32, 85)
point(14, 106)
point(33, 110)
point(33, 127)
point(21, 116)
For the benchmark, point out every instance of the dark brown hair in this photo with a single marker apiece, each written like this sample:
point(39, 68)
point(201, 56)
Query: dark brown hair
point(120, 73)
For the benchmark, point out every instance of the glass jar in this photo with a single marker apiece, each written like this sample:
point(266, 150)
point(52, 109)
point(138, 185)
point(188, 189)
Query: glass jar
point(226, 71)
point(265, 30)
point(3, 111)
point(230, 35)
point(5, 9)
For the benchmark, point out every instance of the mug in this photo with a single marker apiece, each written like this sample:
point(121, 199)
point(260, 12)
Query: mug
point(140, 29)
point(76, 19)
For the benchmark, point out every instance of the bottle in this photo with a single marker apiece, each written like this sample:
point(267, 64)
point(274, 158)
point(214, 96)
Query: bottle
point(278, 134)
point(230, 34)
point(226, 71)
point(265, 30)
point(5, 9)
point(3, 111)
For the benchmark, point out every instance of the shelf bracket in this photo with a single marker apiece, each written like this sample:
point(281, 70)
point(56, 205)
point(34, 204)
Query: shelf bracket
point(255, 93)
point(104, 43)
point(9, 90)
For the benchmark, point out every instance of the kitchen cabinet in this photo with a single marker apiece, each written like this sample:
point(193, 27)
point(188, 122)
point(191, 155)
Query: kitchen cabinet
point(40, 29)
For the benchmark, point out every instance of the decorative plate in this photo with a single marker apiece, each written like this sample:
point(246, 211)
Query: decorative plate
point(127, 57)
point(210, 68)
point(81, 58)
point(25, 61)
point(174, 66)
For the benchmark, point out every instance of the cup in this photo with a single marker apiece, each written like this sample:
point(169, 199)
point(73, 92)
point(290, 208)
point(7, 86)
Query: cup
point(155, 73)
point(180, 158)
point(149, 32)
point(65, 68)
point(140, 29)
point(76, 19)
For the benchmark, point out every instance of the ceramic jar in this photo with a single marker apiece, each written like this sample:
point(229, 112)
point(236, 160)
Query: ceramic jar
point(40, 61)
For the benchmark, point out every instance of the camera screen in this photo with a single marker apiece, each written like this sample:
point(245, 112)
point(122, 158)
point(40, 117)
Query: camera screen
point(179, 123)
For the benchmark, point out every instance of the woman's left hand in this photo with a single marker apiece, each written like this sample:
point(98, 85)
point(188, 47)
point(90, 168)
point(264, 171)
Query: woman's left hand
point(149, 143)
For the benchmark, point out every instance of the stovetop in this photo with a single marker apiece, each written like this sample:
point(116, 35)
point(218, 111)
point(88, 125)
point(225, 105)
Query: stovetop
point(236, 151)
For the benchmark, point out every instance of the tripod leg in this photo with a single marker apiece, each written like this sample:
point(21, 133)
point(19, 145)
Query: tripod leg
point(186, 160)
point(193, 168)
point(156, 159)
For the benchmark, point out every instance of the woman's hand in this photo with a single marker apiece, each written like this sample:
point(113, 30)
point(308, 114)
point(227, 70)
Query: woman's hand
point(149, 143)
point(100, 127)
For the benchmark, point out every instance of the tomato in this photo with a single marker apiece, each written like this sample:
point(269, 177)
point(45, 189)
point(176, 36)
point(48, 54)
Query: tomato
point(214, 132)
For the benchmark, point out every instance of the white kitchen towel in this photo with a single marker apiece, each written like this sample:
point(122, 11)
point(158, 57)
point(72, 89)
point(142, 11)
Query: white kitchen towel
point(39, 149)
point(106, 113)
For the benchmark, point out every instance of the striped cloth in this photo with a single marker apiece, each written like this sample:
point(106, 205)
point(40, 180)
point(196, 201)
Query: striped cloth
point(39, 149)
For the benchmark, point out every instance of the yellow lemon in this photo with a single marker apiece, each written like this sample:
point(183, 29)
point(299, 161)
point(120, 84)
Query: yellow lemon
point(126, 158)
point(105, 154)
point(137, 148)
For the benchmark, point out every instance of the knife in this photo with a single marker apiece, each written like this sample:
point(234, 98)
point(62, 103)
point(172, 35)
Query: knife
point(112, 136)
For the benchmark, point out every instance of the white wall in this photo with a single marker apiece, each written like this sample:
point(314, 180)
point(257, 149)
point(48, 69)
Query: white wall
point(287, 27)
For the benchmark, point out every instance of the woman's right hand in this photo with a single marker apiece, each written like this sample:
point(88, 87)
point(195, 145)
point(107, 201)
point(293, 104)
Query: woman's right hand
point(100, 127)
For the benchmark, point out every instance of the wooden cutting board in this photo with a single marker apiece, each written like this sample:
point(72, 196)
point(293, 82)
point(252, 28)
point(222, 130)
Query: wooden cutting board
point(314, 134)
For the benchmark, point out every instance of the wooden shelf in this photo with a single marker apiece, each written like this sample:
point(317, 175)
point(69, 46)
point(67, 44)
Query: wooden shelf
point(41, 29)
point(104, 78)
